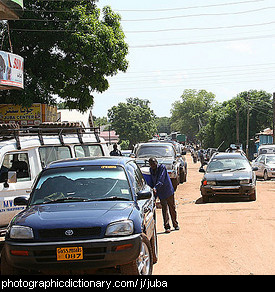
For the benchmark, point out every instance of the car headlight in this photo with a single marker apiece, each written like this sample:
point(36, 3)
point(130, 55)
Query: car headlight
point(119, 228)
point(244, 181)
point(209, 182)
point(21, 232)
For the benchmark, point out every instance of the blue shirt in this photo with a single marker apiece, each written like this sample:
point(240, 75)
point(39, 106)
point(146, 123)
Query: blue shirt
point(161, 181)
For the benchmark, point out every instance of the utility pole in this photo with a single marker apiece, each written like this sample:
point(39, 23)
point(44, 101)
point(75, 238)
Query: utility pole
point(273, 117)
point(237, 122)
point(247, 124)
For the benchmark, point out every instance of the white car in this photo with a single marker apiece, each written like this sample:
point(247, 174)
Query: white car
point(24, 153)
point(266, 166)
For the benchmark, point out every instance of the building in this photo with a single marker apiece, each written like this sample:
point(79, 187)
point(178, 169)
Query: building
point(264, 137)
point(85, 119)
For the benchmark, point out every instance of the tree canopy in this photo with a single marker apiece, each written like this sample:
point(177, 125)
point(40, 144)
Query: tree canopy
point(205, 120)
point(69, 49)
point(192, 112)
point(133, 121)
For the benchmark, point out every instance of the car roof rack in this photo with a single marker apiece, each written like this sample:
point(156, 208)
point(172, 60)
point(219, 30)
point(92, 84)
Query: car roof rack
point(60, 129)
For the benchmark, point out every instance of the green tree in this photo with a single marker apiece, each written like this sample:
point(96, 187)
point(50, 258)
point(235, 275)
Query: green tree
point(133, 121)
point(163, 124)
point(69, 49)
point(192, 112)
point(222, 121)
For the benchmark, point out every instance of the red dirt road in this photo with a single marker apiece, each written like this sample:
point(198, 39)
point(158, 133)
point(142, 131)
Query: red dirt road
point(224, 237)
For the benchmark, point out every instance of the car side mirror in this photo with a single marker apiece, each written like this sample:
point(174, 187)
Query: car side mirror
point(144, 195)
point(202, 170)
point(183, 152)
point(255, 168)
point(21, 201)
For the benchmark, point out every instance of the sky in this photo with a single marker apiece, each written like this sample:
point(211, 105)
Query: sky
point(224, 47)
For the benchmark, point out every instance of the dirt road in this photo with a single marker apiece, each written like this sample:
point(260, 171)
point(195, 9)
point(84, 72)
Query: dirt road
point(223, 237)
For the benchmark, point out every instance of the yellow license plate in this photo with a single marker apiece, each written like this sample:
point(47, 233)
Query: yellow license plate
point(69, 253)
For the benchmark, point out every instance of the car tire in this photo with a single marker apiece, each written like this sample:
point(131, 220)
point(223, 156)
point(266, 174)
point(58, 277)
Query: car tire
point(154, 245)
point(252, 197)
point(143, 265)
point(182, 176)
point(205, 199)
point(174, 183)
point(265, 177)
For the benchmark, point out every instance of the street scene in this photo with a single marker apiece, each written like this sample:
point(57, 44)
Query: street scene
point(227, 236)
point(136, 138)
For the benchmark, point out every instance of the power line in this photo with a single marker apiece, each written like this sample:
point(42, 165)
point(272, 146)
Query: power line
point(199, 15)
point(201, 28)
point(202, 42)
point(190, 7)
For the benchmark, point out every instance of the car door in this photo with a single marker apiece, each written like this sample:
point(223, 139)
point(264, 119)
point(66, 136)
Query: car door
point(261, 165)
point(15, 180)
point(147, 207)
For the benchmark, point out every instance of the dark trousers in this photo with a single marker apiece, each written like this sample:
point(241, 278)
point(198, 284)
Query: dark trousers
point(166, 204)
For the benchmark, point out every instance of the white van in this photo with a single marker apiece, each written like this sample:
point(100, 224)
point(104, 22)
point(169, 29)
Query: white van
point(24, 152)
point(266, 149)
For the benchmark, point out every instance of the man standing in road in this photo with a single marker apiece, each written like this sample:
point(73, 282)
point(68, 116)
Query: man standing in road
point(115, 151)
point(163, 188)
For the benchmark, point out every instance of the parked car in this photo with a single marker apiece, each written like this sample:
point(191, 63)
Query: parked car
point(266, 149)
point(228, 174)
point(166, 154)
point(84, 214)
point(266, 166)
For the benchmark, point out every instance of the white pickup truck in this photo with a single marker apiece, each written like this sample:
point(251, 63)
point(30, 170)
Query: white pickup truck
point(25, 152)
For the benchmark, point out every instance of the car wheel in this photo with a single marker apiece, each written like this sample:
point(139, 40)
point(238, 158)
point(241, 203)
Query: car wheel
point(252, 197)
point(265, 175)
point(205, 199)
point(154, 245)
point(143, 265)
point(174, 183)
point(182, 176)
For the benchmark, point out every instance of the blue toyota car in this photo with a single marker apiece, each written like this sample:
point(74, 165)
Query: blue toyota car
point(84, 215)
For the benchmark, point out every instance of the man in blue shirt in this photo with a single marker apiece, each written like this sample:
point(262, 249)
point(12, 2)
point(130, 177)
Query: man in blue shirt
point(163, 188)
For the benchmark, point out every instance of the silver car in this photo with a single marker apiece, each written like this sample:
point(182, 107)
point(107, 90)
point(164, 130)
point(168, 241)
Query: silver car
point(266, 166)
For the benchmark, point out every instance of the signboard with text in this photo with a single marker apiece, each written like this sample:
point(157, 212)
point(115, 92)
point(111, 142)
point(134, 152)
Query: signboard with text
point(11, 71)
point(27, 116)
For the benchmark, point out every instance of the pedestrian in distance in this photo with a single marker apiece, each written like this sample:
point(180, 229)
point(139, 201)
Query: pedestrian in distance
point(163, 188)
point(115, 151)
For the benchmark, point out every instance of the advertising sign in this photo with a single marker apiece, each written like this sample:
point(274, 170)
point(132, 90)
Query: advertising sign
point(11, 71)
point(27, 116)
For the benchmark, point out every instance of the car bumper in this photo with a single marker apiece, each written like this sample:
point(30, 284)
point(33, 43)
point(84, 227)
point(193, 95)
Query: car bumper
point(99, 253)
point(242, 190)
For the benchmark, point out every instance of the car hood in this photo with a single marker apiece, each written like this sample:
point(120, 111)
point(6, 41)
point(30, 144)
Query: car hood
point(236, 175)
point(77, 214)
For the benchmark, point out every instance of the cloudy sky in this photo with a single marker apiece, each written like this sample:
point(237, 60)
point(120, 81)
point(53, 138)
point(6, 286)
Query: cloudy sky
point(225, 47)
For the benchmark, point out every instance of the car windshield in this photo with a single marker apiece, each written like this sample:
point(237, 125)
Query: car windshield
point(85, 183)
point(270, 159)
point(156, 151)
point(228, 164)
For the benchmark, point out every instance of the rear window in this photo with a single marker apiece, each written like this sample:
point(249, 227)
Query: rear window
point(49, 154)
point(156, 151)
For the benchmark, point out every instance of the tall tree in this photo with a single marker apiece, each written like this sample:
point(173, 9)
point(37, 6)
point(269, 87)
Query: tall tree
point(133, 121)
point(222, 121)
point(192, 112)
point(69, 49)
